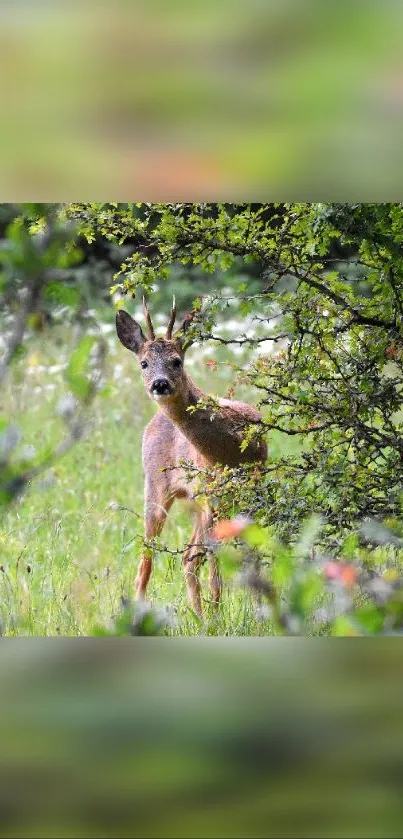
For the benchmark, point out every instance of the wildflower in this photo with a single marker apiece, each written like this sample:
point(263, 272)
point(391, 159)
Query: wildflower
point(227, 529)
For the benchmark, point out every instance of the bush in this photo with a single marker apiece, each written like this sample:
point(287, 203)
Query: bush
point(331, 302)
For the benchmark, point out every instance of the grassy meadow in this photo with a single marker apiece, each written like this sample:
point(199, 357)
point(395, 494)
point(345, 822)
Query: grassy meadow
point(71, 544)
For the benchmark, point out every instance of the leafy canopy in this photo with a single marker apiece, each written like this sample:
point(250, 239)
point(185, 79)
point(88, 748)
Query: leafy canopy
point(332, 301)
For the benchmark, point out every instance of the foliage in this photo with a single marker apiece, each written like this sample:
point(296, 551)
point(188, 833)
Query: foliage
point(36, 249)
point(136, 619)
point(332, 303)
point(306, 591)
point(38, 252)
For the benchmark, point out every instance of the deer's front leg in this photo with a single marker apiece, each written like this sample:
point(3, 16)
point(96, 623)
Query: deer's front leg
point(154, 520)
point(143, 574)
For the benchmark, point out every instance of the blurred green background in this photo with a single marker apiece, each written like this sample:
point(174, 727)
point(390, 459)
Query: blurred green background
point(270, 99)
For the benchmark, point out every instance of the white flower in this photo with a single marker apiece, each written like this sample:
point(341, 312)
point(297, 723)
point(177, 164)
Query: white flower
point(67, 406)
point(28, 452)
point(9, 439)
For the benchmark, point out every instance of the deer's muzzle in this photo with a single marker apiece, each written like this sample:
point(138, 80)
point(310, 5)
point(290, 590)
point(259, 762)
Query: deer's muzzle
point(161, 387)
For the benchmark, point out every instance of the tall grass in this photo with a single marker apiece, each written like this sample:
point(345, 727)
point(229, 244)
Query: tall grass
point(69, 547)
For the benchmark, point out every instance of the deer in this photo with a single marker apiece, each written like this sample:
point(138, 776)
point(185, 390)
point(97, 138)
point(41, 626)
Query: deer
point(184, 430)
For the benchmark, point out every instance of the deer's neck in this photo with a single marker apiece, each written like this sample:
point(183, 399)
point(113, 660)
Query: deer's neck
point(177, 409)
point(210, 430)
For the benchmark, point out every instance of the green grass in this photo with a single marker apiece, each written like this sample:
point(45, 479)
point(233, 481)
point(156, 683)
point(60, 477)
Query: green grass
point(68, 552)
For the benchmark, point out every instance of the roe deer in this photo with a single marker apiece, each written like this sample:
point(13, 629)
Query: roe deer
point(205, 437)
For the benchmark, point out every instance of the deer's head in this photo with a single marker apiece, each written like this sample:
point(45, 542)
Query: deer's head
point(161, 359)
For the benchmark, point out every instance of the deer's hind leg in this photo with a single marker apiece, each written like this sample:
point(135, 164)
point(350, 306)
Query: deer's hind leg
point(194, 557)
point(215, 580)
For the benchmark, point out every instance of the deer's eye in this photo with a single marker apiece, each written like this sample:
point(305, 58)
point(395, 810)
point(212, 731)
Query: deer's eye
point(144, 364)
point(177, 362)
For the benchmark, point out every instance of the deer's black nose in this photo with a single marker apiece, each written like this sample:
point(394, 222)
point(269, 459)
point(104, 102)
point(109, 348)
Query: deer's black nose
point(161, 387)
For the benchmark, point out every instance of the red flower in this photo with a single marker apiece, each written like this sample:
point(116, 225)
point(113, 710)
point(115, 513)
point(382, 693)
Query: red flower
point(227, 529)
point(345, 574)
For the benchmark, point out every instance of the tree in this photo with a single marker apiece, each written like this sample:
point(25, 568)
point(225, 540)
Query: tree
point(332, 300)
point(36, 256)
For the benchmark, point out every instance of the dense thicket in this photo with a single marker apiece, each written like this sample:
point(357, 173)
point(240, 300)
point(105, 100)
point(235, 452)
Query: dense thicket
point(331, 298)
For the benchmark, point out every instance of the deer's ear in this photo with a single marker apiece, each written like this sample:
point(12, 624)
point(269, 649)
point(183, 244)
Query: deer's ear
point(129, 332)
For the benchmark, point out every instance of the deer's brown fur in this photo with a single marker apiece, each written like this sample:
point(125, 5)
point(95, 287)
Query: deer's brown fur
point(207, 436)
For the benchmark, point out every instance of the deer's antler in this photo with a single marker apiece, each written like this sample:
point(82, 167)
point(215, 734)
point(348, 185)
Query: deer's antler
point(148, 320)
point(190, 317)
point(171, 319)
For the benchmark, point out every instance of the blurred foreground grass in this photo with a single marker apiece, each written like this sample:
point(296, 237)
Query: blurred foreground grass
point(69, 548)
point(225, 738)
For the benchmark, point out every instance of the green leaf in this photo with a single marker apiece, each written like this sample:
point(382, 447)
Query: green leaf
point(344, 625)
point(62, 294)
point(371, 618)
point(283, 566)
point(256, 536)
point(308, 535)
point(350, 545)
point(230, 559)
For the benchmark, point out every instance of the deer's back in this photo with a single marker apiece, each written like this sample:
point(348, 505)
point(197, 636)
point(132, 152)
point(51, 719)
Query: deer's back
point(205, 439)
point(217, 433)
